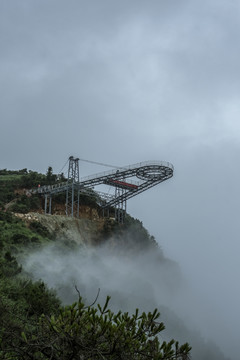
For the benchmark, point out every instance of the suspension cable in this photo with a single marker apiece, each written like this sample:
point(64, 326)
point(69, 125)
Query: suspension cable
point(98, 163)
point(63, 167)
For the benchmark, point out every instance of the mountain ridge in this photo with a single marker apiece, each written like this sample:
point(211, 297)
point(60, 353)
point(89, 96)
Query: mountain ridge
point(122, 259)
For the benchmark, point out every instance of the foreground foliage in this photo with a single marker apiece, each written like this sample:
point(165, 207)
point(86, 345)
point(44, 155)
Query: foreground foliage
point(82, 332)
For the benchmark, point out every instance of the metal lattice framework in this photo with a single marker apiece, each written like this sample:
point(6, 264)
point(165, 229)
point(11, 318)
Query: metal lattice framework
point(71, 187)
point(128, 182)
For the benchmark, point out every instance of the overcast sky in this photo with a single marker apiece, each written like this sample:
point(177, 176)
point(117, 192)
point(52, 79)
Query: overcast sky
point(127, 81)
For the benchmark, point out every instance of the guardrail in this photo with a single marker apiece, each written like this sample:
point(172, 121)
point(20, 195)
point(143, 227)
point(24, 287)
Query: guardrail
point(103, 175)
point(126, 168)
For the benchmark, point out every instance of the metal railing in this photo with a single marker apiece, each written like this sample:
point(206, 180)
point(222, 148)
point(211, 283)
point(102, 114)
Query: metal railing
point(101, 177)
point(129, 167)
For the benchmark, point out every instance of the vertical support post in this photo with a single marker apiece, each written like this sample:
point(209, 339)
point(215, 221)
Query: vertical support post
point(124, 209)
point(72, 184)
point(50, 205)
point(78, 203)
point(72, 199)
point(45, 204)
point(120, 208)
point(66, 210)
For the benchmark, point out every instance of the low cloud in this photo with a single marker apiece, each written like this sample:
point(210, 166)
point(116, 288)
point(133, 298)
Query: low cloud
point(133, 278)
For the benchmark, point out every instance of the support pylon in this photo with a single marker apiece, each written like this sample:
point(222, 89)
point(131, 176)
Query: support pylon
point(48, 204)
point(120, 207)
point(72, 195)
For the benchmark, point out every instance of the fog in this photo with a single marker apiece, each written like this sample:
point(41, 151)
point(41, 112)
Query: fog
point(134, 278)
point(122, 82)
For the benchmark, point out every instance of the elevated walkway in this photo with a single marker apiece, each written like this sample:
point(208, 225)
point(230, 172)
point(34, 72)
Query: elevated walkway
point(128, 182)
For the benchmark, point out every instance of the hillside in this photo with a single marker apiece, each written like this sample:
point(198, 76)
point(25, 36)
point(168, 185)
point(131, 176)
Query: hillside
point(48, 261)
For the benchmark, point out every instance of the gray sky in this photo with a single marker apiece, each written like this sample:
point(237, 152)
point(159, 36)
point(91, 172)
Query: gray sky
point(127, 81)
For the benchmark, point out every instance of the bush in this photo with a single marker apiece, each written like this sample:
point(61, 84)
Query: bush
point(19, 208)
point(39, 299)
point(19, 238)
point(40, 229)
point(8, 217)
point(9, 266)
point(91, 333)
point(21, 304)
point(24, 204)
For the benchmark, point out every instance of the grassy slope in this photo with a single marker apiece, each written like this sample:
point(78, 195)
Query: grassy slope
point(21, 300)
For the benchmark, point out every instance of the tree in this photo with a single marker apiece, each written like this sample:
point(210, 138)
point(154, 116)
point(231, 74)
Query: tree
point(82, 332)
point(49, 173)
point(50, 177)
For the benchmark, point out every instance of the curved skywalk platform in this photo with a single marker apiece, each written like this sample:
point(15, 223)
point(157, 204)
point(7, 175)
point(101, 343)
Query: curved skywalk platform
point(128, 182)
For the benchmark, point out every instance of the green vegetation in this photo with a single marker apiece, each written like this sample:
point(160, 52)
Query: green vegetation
point(15, 235)
point(34, 324)
point(132, 234)
point(96, 333)
point(14, 186)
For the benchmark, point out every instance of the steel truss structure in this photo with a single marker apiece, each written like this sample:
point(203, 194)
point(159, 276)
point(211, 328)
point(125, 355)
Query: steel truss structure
point(128, 182)
point(71, 188)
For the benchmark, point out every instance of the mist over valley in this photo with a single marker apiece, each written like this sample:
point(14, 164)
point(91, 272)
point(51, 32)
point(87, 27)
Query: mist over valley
point(134, 274)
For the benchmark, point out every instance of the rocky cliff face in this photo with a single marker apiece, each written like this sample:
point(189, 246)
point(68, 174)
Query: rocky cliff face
point(82, 231)
point(85, 212)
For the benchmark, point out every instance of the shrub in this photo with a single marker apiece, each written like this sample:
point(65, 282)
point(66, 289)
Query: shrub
point(91, 333)
point(39, 228)
point(19, 238)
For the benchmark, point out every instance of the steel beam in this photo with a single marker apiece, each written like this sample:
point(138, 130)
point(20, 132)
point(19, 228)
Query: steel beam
point(147, 174)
